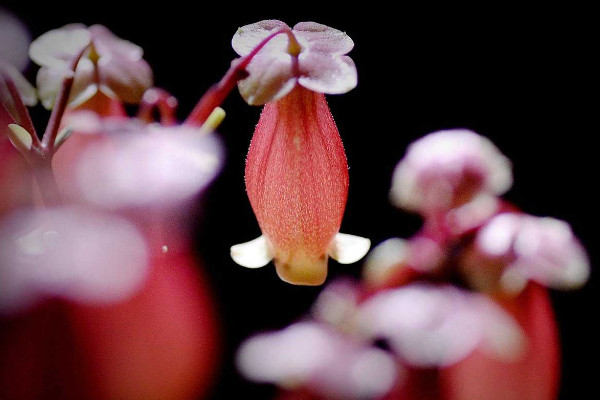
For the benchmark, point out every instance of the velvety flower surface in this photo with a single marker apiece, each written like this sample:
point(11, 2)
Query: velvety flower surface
point(109, 65)
point(311, 55)
point(297, 183)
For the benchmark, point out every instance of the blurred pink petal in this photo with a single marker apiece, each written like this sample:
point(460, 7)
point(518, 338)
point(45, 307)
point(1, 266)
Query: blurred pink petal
point(71, 253)
point(431, 326)
point(153, 166)
point(447, 169)
point(513, 248)
point(313, 356)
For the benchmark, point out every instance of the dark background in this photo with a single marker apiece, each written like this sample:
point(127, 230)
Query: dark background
point(522, 77)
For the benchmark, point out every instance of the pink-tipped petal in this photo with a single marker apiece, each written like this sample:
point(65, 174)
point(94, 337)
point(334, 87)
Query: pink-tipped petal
point(249, 36)
point(327, 74)
point(323, 38)
point(271, 78)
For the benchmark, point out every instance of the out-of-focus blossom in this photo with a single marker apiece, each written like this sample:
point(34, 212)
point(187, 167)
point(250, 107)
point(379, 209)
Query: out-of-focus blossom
point(436, 326)
point(153, 165)
point(110, 66)
point(70, 253)
point(513, 248)
point(297, 182)
point(14, 40)
point(312, 356)
point(397, 261)
point(311, 55)
point(447, 169)
point(296, 169)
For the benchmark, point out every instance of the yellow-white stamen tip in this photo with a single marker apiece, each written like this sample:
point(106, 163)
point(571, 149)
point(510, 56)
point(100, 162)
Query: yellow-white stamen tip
point(214, 120)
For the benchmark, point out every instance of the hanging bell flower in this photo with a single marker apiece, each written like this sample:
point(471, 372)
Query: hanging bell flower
point(296, 169)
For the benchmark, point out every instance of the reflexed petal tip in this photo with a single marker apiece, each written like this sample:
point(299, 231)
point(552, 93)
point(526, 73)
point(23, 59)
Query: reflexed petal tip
point(69, 252)
point(348, 249)
point(252, 254)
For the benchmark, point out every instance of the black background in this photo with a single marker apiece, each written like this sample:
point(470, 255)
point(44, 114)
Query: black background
point(522, 77)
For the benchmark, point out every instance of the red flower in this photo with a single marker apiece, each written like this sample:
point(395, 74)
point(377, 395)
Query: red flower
point(296, 170)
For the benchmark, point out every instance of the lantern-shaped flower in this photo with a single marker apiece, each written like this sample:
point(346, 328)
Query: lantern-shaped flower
point(296, 169)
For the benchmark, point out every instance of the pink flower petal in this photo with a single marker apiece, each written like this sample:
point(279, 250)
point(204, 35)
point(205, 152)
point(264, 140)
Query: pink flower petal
point(159, 167)
point(323, 38)
point(249, 36)
point(327, 74)
point(271, 76)
point(436, 326)
point(69, 252)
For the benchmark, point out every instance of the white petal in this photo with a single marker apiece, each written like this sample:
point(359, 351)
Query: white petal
point(58, 46)
point(247, 37)
point(323, 38)
point(252, 254)
point(347, 249)
point(328, 74)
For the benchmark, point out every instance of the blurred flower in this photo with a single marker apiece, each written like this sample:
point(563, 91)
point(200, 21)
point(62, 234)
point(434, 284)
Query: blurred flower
point(447, 169)
point(110, 68)
point(513, 248)
point(438, 325)
point(311, 55)
point(296, 169)
point(313, 356)
point(71, 253)
point(138, 165)
point(15, 40)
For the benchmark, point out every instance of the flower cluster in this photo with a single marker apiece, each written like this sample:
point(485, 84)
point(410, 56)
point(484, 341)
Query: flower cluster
point(103, 297)
point(459, 311)
point(96, 262)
